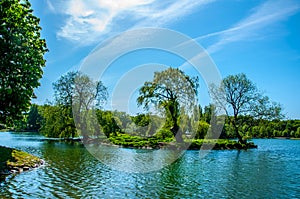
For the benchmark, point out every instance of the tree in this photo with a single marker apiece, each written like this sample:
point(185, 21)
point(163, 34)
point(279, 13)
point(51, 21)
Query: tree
point(202, 129)
point(57, 122)
point(34, 118)
point(78, 94)
point(76, 88)
point(87, 96)
point(108, 123)
point(21, 60)
point(170, 90)
point(141, 120)
point(64, 88)
point(239, 97)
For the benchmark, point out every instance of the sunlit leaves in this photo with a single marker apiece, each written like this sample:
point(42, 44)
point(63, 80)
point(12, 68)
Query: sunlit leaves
point(21, 60)
point(171, 91)
point(238, 96)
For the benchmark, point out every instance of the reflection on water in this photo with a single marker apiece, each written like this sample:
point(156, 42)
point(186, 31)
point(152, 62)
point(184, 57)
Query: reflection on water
point(134, 161)
point(271, 171)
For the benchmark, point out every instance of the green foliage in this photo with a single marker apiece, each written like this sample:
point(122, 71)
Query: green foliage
point(30, 121)
point(126, 140)
point(202, 129)
point(164, 133)
point(64, 89)
point(239, 97)
point(297, 134)
point(107, 122)
point(266, 129)
point(123, 120)
point(169, 91)
point(75, 94)
point(21, 61)
point(76, 88)
point(34, 118)
point(141, 120)
point(57, 122)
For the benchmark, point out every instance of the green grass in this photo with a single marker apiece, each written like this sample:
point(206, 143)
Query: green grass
point(126, 140)
point(130, 141)
point(10, 158)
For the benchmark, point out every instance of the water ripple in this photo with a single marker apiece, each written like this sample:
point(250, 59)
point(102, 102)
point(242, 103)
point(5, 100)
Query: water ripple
point(271, 171)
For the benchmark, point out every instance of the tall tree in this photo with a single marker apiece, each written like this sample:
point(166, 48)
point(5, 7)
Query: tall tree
point(21, 61)
point(75, 88)
point(34, 118)
point(64, 88)
point(107, 122)
point(172, 91)
point(88, 95)
point(79, 94)
point(239, 97)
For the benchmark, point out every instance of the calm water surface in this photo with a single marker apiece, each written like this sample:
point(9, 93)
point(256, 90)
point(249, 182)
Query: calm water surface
point(271, 171)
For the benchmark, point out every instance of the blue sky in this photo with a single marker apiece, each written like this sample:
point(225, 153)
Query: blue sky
point(255, 37)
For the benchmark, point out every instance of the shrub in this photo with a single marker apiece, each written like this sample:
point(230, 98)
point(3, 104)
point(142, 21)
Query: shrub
point(164, 133)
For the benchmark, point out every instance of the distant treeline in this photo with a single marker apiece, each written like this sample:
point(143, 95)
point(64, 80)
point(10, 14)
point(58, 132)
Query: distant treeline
point(57, 121)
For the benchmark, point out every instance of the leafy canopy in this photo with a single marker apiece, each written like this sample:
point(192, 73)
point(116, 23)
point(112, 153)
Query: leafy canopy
point(238, 96)
point(21, 61)
point(171, 91)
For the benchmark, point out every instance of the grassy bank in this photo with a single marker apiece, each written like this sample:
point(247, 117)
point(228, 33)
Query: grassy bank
point(129, 141)
point(12, 161)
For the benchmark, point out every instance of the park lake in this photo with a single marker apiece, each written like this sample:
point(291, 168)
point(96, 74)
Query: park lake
point(70, 171)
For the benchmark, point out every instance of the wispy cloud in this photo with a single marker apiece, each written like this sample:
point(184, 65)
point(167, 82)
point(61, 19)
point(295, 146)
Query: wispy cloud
point(256, 25)
point(88, 21)
point(50, 6)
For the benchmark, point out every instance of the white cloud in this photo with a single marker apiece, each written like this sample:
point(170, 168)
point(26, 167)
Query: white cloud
point(88, 21)
point(254, 26)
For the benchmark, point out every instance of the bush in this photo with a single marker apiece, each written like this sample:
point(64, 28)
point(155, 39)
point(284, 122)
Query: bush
point(164, 133)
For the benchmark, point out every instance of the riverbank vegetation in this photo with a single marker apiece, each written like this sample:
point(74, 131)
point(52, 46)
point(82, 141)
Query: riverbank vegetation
point(149, 130)
point(13, 160)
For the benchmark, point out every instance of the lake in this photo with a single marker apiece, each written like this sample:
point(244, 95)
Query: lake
point(270, 171)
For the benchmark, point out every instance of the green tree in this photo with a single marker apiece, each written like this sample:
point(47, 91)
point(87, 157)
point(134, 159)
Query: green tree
point(202, 129)
point(56, 122)
point(238, 96)
point(141, 120)
point(78, 94)
point(21, 61)
point(88, 95)
point(297, 134)
point(123, 118)
point(34, 118)
point(64, 88)
point(107, 122)
point(170, 90)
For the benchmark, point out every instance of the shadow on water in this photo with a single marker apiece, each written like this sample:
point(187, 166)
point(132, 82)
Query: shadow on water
point(2, 179)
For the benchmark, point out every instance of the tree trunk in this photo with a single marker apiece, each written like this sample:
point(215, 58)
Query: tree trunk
point(236, 130)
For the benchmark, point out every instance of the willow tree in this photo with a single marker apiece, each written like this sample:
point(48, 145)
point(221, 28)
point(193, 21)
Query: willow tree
point(243, 103)
point(77, 94)
point(172, 91)
point(21, 60)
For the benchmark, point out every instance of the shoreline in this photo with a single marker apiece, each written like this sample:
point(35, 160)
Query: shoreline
point(153, 144)
point(17, 161)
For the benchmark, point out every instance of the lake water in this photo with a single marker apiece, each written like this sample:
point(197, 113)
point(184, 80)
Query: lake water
point(271, 171)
